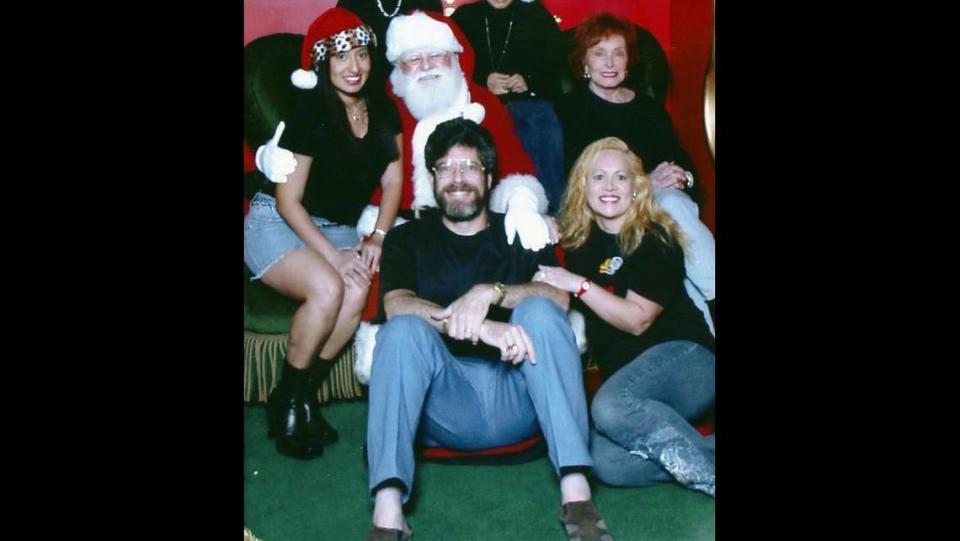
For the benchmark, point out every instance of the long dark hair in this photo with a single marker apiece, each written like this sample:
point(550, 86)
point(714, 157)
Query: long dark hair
point(375, 100)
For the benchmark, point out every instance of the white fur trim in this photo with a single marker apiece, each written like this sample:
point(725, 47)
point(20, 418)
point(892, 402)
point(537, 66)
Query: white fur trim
point(368, 220)
point(416, 31)
point(305, 79)
point(422, 179)
point(579, 325)
point(364, 341)
point(509, 184)
point(474, 111)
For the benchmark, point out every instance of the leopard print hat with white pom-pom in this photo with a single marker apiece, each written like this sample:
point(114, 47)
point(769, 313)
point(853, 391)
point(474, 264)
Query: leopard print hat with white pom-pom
point(334, 31)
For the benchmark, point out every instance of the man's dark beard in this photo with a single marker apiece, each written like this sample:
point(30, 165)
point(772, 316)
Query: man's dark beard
point(459, 212)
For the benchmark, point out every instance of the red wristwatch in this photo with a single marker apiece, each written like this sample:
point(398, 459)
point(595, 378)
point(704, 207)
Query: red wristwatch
point(584, 287)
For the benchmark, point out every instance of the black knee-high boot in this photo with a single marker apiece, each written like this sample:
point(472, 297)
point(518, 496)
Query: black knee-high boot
point(293, 414)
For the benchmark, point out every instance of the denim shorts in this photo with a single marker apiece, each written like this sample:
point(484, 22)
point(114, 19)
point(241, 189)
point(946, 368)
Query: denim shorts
point(267, 237)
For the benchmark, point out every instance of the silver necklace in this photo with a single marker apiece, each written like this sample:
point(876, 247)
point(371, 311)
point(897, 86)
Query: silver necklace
point(506, 42)
point(384, 12)
point(355, 114)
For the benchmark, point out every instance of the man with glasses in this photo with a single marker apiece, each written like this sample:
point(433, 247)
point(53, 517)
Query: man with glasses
point(474, 355)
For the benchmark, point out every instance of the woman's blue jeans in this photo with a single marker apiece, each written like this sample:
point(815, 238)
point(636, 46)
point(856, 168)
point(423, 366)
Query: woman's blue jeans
point(641, 431)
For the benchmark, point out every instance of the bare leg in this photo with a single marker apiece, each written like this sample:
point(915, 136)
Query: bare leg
point(354, 301)
point(306, 276)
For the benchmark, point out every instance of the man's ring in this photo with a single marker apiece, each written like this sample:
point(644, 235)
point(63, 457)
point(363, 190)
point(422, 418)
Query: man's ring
point(512, 348)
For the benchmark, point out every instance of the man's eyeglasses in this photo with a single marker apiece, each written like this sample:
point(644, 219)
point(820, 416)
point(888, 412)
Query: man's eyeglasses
point(427, 58)
point(469, 169)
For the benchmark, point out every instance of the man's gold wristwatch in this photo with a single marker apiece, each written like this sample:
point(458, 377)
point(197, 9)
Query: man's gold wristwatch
point(501, 293)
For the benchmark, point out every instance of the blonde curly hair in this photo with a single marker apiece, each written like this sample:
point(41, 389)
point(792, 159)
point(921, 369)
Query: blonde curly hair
point(575, 215)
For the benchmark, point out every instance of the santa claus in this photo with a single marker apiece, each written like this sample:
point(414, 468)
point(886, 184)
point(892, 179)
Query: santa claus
point(431, 82)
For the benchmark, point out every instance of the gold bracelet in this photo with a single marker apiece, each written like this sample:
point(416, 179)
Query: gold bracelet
point(501, 293)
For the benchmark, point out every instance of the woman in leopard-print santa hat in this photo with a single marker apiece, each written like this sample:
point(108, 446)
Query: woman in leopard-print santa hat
point(300, 235)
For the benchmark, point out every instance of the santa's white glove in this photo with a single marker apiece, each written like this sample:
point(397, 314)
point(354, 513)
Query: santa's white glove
point(275, 162)
point(523, 219)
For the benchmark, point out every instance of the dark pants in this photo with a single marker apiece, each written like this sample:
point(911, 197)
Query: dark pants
point(538, 128)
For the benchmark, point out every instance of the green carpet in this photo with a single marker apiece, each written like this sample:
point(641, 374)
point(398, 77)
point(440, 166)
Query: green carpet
point(326, 498)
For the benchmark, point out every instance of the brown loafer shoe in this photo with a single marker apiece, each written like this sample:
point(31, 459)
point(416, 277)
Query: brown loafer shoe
point(583, 522)
point(389, 534)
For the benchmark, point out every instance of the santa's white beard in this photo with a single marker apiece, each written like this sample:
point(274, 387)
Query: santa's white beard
point(425, 97)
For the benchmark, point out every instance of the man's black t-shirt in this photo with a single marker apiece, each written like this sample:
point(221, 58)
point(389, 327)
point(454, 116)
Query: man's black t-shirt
point(344, 172)
point(440, 266)
point(654, 271)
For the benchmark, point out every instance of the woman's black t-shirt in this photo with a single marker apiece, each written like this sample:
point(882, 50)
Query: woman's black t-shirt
point(654, 271)
point(346, 169)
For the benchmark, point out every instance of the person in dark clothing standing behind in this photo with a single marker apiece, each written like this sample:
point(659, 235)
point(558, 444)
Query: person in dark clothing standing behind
point(519, 52)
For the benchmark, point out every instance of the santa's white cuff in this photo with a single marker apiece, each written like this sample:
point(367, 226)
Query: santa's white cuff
point(525, 186)
point(368, 220)
point(363, 343)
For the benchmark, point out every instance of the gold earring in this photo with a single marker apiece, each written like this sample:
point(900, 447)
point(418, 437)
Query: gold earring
point(586, 73)
point(635, 195)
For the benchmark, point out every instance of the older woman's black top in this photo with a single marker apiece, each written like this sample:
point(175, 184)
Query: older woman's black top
point(642, 123)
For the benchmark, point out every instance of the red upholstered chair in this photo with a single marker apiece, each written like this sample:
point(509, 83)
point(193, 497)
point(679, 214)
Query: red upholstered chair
point(526, 450)
point(529, 449)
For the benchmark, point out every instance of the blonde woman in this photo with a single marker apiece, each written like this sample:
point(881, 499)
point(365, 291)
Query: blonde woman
point(625, 267)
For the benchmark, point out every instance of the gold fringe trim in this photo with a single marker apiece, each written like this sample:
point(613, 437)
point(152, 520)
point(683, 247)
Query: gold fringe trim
point(262, 355)
point(248, 535)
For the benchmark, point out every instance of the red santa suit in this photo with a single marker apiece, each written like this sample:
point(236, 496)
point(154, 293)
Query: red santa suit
point(474, 102)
